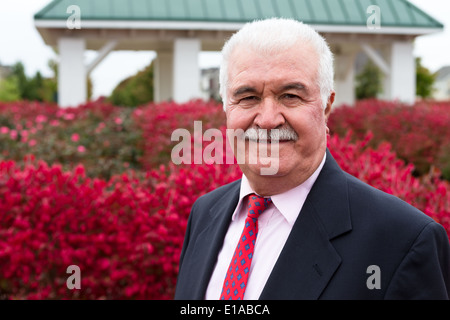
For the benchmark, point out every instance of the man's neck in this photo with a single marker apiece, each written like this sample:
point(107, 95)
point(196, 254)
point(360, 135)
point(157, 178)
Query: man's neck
point(272, 185)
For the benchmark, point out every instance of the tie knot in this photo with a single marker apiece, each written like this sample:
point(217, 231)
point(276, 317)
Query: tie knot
point(256, 205)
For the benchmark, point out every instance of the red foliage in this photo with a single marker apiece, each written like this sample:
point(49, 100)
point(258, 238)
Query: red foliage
point(419, 134)
point(125, 233)
point(42, 112)
point(158, 121)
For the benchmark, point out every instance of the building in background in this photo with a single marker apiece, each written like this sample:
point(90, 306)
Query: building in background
point(5, 71)
point(210, 86)
point(442, 84)
point(178, 30)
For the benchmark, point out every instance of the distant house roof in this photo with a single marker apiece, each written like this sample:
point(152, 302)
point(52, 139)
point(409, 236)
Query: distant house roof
point(394, 13)
point(443, 73)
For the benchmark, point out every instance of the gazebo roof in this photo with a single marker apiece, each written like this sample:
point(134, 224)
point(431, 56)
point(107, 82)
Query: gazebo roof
point(394, 13)
point(154, 24)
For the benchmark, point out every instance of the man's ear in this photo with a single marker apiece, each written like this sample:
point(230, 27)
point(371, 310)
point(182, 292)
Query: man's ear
point(329, 105)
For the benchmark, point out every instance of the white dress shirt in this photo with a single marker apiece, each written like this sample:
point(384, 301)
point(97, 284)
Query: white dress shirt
point(274, 227)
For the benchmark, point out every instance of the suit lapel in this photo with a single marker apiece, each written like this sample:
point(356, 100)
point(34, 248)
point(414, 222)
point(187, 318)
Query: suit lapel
point(210, 241)
point(308, 259)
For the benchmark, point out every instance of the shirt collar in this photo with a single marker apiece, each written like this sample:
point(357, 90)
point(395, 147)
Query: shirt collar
point(289, 203)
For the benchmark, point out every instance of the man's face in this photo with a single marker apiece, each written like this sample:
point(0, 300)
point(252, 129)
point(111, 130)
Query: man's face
point(279, 91)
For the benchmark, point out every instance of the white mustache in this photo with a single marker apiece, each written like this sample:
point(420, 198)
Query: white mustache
point(274, 135)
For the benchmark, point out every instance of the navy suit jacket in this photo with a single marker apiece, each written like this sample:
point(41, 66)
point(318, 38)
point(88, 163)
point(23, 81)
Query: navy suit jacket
point(344, 227)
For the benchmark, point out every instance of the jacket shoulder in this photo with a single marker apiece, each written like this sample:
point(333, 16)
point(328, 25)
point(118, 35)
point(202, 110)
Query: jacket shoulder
point(385, 207)
point(201, 209)
point(209, 199)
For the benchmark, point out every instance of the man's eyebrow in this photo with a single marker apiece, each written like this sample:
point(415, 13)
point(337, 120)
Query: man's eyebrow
point(295, 86)
point(243, 90)
point(249, 89)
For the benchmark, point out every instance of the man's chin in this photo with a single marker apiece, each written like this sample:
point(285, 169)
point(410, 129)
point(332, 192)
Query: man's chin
point(265, 168)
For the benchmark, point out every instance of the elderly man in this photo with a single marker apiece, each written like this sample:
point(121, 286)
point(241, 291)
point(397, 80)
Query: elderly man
point(308, 230)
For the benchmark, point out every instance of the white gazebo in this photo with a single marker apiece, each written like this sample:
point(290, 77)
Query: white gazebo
point(178, 30)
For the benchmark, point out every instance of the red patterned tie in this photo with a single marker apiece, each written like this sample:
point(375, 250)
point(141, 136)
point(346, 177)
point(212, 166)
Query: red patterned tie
point(236, 279)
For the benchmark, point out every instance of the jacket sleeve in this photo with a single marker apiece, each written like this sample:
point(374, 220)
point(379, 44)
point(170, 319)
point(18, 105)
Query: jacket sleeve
point(187, 236)
point(424, 272)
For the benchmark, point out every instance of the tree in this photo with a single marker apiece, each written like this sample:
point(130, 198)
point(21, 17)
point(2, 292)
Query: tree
point(18, 71)
point(135, 90)
point(369, 82)
point(424, 80)
point(9, 89)
point(18, 86)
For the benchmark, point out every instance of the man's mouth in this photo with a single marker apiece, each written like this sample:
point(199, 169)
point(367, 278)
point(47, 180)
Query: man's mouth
point(283, 135)
point(270, 141)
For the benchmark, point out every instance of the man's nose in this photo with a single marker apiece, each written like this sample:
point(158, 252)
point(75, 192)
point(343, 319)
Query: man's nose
point(269, 114)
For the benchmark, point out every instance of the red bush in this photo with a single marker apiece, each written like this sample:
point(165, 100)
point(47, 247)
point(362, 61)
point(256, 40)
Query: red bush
point(102, 137)
point(125, 233)
point(419, 134)
point(158, 122)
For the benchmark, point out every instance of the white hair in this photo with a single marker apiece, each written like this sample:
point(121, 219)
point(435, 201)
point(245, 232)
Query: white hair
point(275, 35)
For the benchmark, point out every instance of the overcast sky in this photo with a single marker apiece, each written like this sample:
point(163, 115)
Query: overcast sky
point(20, 41)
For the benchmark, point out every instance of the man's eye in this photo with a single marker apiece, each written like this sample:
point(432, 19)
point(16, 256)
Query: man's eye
point(290, 96)
point(249, 98)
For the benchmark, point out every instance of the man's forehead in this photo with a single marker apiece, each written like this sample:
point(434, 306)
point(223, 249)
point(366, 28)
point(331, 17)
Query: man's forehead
point(245, 77)
point(243, 58)
point(266, 49)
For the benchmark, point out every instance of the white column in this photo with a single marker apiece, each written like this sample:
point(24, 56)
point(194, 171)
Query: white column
point(72, 87)
point(344, 83)
point(186, 70)
point(401, 84)
point(163, 77)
